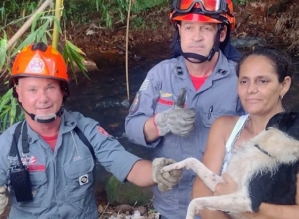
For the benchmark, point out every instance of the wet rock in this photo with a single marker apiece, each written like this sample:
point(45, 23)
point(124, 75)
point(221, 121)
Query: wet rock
point(117, 216)
point(125, 103)
point(100, 209)
point(123, 208)
point(247, 42)
point(137, 215)
point(109, 102)
point(141, 210)
point(89, 65)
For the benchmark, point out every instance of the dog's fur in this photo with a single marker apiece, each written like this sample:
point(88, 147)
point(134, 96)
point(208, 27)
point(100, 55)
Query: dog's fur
point(264, 168)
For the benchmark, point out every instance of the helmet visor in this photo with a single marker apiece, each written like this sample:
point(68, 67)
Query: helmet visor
point(207, 6)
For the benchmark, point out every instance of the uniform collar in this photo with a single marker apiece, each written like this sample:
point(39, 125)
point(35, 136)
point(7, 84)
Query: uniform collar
point(221, 69)
point(32, 135)
point(67, 124)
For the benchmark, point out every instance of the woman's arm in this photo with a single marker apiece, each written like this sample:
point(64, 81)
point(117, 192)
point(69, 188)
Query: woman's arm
point(213, 159)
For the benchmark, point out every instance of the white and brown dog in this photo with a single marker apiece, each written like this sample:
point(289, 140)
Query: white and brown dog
point(264, 168)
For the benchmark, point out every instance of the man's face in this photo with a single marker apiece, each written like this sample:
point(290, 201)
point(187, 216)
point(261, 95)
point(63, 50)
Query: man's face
point(40, 96)
point(198, 37)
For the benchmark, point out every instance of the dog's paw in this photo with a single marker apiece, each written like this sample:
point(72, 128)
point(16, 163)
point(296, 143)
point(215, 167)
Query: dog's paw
point(170, 167)
point(193, 209)
point(188, 163)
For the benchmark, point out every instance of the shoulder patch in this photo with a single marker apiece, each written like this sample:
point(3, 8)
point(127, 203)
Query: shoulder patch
point(102, 131)
point(135, 104)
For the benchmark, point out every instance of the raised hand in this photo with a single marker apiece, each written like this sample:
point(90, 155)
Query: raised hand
point(177, 120)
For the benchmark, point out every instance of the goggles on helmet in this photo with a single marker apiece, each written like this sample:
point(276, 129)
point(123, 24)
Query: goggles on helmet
point(207, 6)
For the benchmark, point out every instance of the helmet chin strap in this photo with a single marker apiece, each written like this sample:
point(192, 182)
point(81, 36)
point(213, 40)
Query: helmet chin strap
point(45, 118)
point(200, 58)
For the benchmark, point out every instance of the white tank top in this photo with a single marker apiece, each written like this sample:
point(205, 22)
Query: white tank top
point(232, 138)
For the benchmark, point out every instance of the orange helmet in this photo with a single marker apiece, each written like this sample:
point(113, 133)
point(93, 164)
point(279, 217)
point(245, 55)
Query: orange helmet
point(40, 60)
point(212, 11)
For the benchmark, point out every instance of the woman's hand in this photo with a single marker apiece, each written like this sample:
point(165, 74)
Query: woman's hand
point(227, 187)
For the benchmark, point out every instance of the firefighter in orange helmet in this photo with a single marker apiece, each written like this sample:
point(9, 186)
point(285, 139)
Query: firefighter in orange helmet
point(208, 11)
point(181, 97)
point(42, 61)
point(48, 159)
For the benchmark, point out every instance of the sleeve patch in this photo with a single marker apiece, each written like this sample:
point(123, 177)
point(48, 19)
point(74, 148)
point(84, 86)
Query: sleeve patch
point(135, 105)
point(102, 131)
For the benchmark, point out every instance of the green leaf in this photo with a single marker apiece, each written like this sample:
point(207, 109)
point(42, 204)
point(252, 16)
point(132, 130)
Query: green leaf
point(13, 111)
point(5, 99)
point(36, 18)
point(8, 110)
point(44, 38)
point(72, 54)
point(4, 121)
point(42, 30)
point(29, 40)
point(57, 23)
point(3, 43)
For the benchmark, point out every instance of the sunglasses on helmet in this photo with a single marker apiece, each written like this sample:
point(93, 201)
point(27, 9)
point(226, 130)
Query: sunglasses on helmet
point(207, 6)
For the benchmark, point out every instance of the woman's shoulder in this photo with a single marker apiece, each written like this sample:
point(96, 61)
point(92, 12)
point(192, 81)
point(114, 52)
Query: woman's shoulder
point(226, 120)
point(225, 124)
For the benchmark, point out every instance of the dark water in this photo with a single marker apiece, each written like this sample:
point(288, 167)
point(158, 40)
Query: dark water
point(104, 96)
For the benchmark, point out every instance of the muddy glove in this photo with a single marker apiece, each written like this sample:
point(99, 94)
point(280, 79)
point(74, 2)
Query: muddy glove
point(165, 180)
point(178, 120)
point(3, 199)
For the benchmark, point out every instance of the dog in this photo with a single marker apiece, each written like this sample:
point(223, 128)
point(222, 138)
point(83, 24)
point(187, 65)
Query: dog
point(264, 168)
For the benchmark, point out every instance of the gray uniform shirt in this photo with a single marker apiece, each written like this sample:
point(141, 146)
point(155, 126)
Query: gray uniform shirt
point(62, 180)
point(216, 97)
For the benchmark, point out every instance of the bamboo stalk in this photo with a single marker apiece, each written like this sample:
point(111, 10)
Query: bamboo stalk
point(127, 51)
point(27, 24)
point(55, 35)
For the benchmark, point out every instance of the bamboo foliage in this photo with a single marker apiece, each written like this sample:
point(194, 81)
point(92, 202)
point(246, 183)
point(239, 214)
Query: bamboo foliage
point(3, 43)
point(40, 23)
point(38, 20)
point(9, 110)
point(73, 56)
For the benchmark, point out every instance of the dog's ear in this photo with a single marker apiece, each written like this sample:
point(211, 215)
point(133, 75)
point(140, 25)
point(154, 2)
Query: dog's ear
point(293, 130)
point(283, 121)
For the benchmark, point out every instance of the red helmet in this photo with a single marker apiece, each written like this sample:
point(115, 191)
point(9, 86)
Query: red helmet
point(212, 11)
point(40, 60)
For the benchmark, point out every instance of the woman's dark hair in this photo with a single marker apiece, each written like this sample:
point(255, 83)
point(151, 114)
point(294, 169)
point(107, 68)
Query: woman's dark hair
point(281, 61)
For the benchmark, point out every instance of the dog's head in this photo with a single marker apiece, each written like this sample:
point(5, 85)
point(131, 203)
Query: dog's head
point(281, 137)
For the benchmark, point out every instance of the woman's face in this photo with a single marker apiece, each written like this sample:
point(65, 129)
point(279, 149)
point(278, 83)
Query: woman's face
point(258, 86)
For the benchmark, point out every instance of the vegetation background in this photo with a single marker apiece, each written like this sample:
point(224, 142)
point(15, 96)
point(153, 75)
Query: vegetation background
point(100, 25)
point(88, 27)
